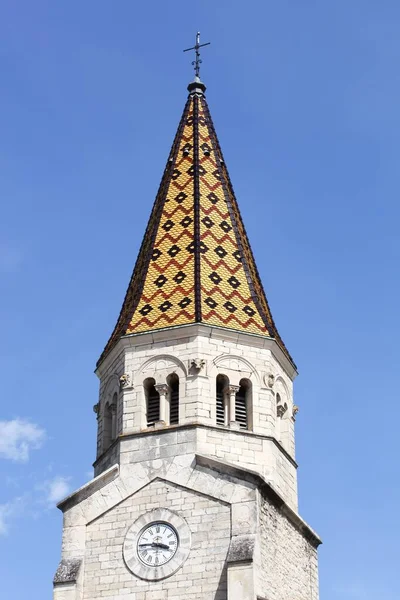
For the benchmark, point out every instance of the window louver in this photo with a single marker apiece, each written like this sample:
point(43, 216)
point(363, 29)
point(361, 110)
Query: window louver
point(174, 407)
point(241, 409)
point(153, 407)
point(220, 408)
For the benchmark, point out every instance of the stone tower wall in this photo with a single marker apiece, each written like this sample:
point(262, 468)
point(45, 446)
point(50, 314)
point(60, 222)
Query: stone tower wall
point(267, 447)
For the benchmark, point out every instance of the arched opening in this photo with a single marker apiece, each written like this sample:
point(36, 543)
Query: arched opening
point(107, 426)
point(281, 423)
point(152, 401)
point(173, 384)
point(222, 400)
point(114, 417)
point(243, 404)
point(281, 407)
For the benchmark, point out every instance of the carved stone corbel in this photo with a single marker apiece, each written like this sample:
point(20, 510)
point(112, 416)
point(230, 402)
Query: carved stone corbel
point(269, 380)
point(125, 381)
point(196, 365)
point(281, 409)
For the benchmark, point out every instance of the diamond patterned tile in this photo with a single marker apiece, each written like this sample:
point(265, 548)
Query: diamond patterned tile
point(195, 225)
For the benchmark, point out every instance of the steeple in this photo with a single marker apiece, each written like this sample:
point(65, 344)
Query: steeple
point(195, 264)
point(195, 489)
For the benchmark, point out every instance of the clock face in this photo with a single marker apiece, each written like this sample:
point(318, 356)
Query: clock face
point(157, 544)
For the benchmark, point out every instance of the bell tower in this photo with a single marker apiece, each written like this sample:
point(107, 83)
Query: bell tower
point(195, 488)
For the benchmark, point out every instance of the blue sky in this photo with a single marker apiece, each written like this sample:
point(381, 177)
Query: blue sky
point(305, 98)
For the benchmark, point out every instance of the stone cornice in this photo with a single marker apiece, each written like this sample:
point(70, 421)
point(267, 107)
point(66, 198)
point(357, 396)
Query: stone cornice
point(168, 428)
point(89, 488)
point(198, 330)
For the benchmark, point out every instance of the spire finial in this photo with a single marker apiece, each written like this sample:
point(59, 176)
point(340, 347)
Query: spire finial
point(197, 62)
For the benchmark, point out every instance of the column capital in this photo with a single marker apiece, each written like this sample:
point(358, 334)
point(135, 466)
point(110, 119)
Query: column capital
point(161, 388)
point(233, 389)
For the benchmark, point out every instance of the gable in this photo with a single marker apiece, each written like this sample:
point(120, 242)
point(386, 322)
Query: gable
point(209, 521)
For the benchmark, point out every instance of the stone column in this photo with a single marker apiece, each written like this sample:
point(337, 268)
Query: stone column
point(162, 389)
point(232, 390)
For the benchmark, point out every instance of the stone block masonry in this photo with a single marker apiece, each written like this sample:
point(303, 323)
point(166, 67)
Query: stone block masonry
point(202, 576)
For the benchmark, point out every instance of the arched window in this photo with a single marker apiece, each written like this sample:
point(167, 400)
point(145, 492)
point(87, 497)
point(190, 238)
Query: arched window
point(107, 426)
point(110, 422)
point(114, 417)
point(221, 400)
point(243, 404)
point(280, 423)
point(152, 402)
point(173, 383)
point(281, 407)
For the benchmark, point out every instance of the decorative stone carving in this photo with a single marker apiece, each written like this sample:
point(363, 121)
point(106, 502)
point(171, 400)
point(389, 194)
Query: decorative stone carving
point(233, 389)
point(197, 363)
point(281, 409)
point(269, 380)
point(96, 409)
point(161, 388)
point(295, 410)
point(125, 380)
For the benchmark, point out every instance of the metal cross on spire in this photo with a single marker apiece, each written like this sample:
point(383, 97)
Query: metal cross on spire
point(197, 62)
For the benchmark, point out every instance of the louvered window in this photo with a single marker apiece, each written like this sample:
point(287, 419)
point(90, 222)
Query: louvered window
point(114, 416)
point(241, 408)
point(220, 401)
point(153, 404)
point(107, 427)
point(244, 405)
point(174, 400)
point(220, 409)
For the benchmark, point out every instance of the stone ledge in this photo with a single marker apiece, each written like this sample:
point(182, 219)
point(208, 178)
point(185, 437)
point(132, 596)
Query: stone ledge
point(89, 488)
point(67, 571)
point(241, 549)
point(219, 428)
point(180, 333)
point(266, 489)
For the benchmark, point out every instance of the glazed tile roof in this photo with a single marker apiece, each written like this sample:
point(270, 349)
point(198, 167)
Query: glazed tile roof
point(195, 264)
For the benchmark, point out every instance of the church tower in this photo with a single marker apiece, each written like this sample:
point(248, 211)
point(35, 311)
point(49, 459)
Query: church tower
point(195, 488)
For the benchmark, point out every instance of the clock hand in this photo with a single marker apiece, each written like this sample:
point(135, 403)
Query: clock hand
point(156, 545)
point(148, 544)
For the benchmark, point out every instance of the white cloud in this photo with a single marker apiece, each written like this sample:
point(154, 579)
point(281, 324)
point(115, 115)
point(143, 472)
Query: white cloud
point(56, 489)
point(9, 511)
point(33, 503)
point(18, 437)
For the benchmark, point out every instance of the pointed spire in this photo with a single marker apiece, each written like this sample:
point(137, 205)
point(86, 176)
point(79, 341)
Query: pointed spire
point(195, 264)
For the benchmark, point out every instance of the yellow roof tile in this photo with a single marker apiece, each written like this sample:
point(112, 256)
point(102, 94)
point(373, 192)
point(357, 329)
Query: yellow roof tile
point(195, 264)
